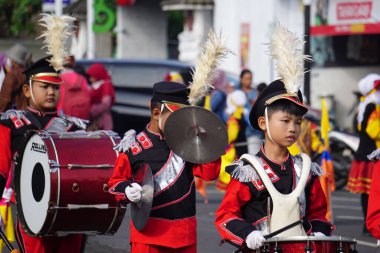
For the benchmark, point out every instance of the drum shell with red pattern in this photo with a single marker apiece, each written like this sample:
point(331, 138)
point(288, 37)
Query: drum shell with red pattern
point(73, 196)
point(297, 244)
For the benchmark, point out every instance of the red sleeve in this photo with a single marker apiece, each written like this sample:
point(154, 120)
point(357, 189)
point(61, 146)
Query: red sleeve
point(207, 171)
point(229, 221)
point(121, 177)
point(373, 214)
point(5, 151)
point(108, 90)
point(317, 209)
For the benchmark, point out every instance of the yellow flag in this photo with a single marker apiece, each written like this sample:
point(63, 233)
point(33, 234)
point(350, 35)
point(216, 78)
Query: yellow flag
point(325, 123)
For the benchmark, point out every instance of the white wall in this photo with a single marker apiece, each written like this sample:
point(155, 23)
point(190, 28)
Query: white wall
point(261, 16)
point(144, 31)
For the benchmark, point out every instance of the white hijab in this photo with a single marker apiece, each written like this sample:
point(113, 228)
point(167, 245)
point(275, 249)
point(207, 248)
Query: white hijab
point(365, 87)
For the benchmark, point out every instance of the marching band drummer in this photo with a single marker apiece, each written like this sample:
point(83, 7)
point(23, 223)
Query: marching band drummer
point(242, 217)
point(171, 226)
point(42, 92)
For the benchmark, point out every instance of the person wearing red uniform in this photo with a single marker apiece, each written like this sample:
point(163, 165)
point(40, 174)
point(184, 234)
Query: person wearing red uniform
point(373, 214)
point(368, 118)
point(42, 93)
point(243, 211)
point(171, 226)
point(242, 217)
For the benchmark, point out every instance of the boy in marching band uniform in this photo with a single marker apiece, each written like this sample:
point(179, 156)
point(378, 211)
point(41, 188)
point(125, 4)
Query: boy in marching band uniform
point(42, 92)
point(171, 226)
point(243, 217)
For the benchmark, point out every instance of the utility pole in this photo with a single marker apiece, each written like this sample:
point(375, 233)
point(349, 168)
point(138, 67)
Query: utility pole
point(58, 7)
point(90, 30)
point(307, 64)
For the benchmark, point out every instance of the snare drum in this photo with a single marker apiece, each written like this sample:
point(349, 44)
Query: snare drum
point(61, 184)
point(297, 244)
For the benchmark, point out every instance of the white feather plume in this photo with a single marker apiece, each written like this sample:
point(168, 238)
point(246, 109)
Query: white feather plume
point(56, 34)
point(287, 50)
point(212, 52)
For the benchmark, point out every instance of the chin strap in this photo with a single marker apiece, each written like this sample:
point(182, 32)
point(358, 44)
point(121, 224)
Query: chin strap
point(160, 118)
point(267, 124)
point(31, 93)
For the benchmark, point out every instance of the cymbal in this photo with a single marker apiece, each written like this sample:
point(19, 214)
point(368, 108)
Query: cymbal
point(140, 211)
point(196, 135)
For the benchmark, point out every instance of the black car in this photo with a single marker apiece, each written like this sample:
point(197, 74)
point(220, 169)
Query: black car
point(133, 81)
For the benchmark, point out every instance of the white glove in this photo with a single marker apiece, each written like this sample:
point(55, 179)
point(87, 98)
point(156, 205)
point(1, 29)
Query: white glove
point(133, 192)
point(255, 239)
point(319, 234)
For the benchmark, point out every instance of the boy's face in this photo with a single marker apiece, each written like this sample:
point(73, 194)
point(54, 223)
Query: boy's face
point(284, 128)
point(46, 96)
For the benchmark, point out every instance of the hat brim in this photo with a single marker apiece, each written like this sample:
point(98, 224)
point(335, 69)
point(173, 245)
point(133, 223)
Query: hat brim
point(48, 79)
point(254, 121)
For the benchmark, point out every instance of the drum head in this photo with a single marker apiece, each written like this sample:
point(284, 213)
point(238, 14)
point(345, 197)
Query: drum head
point(33, 184)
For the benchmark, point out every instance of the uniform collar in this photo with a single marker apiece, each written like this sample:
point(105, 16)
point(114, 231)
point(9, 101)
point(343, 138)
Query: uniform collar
point(42, 114)
point(286, 163)
point(153, 134)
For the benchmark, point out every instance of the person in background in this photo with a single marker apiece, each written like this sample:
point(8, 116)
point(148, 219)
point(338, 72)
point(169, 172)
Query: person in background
point(254, 136)
point(236, 126)
point(75, 99)
point(102, 96)
point(11, 94)
point(219, 93)
point(3, 68)
point(373, 215)
point(368, 118)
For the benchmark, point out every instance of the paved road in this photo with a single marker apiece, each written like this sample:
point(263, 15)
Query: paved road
point(347, 215)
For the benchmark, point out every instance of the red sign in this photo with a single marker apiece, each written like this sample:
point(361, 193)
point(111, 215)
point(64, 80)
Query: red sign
point(353, 10)
point(125, 2)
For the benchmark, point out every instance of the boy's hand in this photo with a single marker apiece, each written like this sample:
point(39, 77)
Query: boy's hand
point(255, 239)
point(133, 192)
point(319, 234)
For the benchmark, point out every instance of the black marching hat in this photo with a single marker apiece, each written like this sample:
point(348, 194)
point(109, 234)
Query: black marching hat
point(170, 92)
point(43, 71)
point(273, 92)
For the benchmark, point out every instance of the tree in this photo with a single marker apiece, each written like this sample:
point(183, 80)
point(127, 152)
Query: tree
point(16, 16)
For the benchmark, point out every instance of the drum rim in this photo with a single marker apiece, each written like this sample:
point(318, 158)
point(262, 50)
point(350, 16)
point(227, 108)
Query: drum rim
point(311, 238)
point(17, 171)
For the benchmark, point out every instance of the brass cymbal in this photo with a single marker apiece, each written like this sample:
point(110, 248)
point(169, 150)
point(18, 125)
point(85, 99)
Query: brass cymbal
point(196, 135)
point(140, 211)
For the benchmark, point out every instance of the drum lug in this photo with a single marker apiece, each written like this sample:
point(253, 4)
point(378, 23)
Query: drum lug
point(54, 166)
point(75, 187)
point(44, 134)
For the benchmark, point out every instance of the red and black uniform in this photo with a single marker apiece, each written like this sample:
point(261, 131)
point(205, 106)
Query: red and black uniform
point(172, 222)
point(359, 180)
point(13, 127)
point(373, 215)
point(244, 207)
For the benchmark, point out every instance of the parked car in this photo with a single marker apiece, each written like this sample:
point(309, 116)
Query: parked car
point(133, 81)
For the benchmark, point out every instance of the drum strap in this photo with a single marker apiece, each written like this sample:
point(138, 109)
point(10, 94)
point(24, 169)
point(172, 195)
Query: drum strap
point(286, 208)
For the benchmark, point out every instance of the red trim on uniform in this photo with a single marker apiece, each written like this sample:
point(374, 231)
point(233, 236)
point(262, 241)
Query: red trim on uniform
point(144, 140)
point(159, 135)
point(175, 201)
point(49, 79)
point(41, 113)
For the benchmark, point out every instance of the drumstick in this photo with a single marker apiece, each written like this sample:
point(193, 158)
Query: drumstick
point(9, 245)
point(283, 229)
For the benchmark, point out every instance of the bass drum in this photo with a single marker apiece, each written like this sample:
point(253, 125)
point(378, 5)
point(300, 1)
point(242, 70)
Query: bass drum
point(298, 244)
point(61, 183)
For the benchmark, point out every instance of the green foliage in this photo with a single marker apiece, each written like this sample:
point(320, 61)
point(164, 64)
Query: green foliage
point(175, 23)
point(17, 15)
